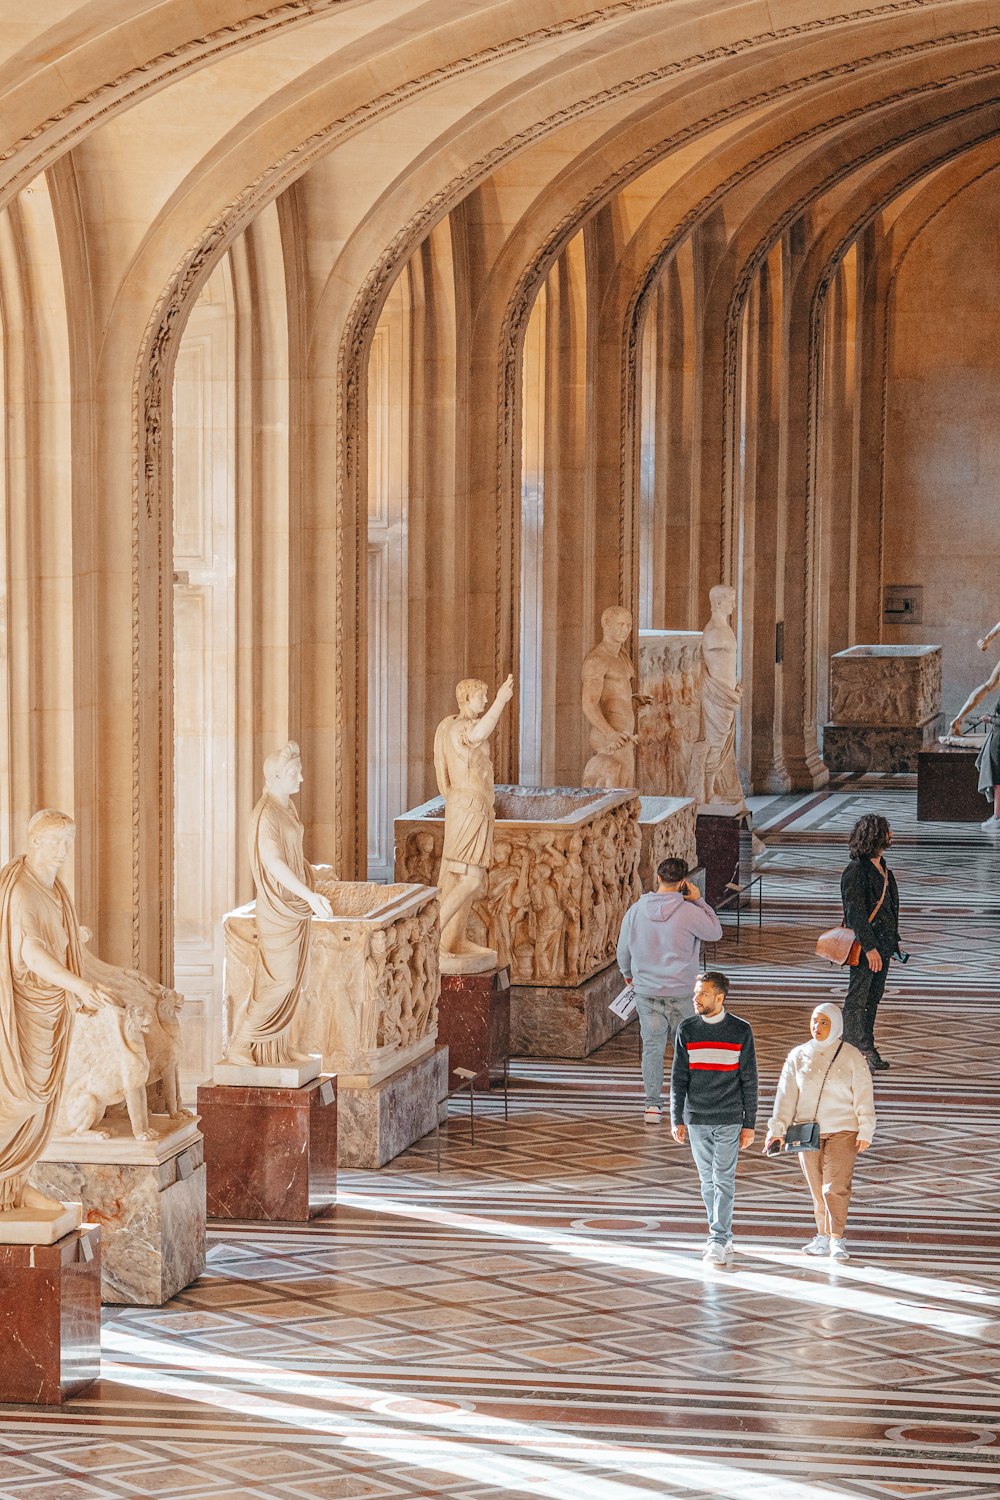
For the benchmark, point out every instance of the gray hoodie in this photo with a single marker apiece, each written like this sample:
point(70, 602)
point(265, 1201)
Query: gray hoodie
point(659, 944)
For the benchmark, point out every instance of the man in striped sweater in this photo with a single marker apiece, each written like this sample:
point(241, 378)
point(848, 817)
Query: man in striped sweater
point(713, 1101)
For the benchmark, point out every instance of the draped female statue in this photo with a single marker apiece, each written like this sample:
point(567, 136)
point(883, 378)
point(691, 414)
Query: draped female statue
point(41, 986)
point(286, 904)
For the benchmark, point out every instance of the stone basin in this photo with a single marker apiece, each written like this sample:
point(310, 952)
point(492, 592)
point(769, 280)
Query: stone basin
point(369, 1006)
point(565, 869)
point(885, 685)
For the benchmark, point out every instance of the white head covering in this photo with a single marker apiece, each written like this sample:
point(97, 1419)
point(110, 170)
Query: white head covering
point(836, 1018)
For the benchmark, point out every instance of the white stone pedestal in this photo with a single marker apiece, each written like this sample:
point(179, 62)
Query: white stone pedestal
point(246, 1076)
point(39, 1226)
point(147, 1196)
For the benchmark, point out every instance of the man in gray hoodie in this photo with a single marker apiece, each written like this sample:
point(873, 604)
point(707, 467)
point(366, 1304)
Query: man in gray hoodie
point(659, 950)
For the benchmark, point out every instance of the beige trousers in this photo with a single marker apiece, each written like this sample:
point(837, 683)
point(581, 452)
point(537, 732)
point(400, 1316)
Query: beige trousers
point(828, 1172)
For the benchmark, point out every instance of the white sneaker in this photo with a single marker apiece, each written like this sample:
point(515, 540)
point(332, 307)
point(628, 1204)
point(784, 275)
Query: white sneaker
point(992, 824)
point(818, 1245)
point(715, 1254)
point(652, 1114)
point(838, 1250)
point(730, 1248)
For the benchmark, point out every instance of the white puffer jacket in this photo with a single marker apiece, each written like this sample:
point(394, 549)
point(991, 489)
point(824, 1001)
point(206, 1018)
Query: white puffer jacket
point(848, 1101)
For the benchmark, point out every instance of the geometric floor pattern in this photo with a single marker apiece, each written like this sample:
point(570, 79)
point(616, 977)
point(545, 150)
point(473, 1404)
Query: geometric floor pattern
point(534, 1319)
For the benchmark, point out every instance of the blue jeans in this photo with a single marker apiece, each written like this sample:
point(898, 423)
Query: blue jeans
point(659, 1017)
point(715, 1149)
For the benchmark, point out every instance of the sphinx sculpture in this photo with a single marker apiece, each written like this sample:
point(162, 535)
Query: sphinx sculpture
point(464, 773)
point(716, 778)
point(126, 1054)
point(609, 704)
point(286, 903)
point(42, 984)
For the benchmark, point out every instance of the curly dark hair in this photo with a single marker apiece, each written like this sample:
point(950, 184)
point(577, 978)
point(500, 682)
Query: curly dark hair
point(869, 836)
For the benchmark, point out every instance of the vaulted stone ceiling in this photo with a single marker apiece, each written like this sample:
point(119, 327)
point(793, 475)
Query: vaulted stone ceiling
point(330, 139)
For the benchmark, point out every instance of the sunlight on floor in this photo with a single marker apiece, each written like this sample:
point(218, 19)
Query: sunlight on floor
point(144, 1363)
point(664, 1263)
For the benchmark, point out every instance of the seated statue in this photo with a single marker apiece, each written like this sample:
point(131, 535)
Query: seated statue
point(42, 986)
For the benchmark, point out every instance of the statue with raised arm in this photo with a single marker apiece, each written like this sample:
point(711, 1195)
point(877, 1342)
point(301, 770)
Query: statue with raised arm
point(714, 762)
point(988, 759)
point(41, 987)
point(287, 901)
point(609, 704)
point(464, 773)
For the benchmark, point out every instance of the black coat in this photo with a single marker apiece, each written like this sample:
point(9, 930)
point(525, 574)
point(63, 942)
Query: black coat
point(860, 887)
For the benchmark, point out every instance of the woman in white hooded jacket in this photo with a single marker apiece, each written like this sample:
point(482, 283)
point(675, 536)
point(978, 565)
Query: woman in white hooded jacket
point(828, 1080)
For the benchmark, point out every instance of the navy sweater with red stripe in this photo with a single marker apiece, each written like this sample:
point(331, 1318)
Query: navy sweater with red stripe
point(714, 1076)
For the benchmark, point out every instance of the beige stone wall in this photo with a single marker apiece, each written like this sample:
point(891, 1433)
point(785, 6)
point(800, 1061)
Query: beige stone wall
point(942, 469)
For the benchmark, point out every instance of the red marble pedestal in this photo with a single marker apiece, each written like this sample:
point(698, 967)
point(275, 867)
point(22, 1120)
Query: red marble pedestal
point(50, 1318)
point(270, 1153)
point(725, 848)
point(474, 1023)
point(948, 786)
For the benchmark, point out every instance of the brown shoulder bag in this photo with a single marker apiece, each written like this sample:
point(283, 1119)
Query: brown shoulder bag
point(840, 945)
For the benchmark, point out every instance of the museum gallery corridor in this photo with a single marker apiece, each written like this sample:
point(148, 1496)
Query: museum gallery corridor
point(536, 1319)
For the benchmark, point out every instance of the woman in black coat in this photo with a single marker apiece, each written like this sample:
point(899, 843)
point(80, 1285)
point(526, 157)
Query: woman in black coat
point(862, 886)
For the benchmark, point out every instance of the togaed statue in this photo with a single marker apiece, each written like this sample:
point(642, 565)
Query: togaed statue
point(464, 773)
point(286, 904)
point(716, 777)
point(41, 986)
point(609, 704)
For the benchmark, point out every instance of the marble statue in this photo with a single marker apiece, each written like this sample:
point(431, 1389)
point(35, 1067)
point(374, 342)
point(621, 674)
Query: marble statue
point(127, 1054)
point(464, 773)
point(286, 903)
point(609, 704)
point(991, 685)
point(42, 985)
point(714, 767)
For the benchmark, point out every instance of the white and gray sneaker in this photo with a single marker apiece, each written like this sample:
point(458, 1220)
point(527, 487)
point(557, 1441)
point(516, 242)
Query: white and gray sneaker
point(730, 1248)
point(652, 1114)
point(715, 1254)
point(818, 1245)
point(992, 824)
point(839, 1250)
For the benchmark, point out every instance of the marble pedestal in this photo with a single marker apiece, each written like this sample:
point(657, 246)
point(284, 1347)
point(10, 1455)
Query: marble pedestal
point(885, 707)
point(948, 786)
point(725, 848)
point(50, 1318)
point(474, 1023)
point(564, 1020)
point(270, 1154)
point(149, 1199)
point(889, 748)
point(380, 1121)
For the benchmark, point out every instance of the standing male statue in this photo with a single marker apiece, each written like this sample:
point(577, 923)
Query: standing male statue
point(41, 986)
point(286, 904)
point(715, 772)
point(464, 773)
point(609, 704)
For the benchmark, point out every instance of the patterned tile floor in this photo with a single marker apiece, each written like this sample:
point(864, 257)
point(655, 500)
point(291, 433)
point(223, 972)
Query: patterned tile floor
point(535, 1319)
